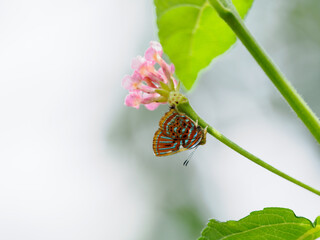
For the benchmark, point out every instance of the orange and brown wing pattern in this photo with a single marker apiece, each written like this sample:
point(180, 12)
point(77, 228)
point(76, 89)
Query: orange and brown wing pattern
point(175, 125)
point(164, 145)
point(176, 133)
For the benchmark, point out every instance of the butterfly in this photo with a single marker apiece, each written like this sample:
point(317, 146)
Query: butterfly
point(177, 133)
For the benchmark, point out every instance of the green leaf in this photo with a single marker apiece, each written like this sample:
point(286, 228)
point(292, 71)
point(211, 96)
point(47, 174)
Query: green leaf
point(192, 34)
point(269, 224)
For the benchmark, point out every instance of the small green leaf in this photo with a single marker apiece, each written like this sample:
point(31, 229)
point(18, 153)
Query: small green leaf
point(269, 224)
point(192, 34)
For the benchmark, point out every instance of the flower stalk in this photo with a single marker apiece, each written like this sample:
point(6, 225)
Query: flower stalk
point(230, 15)
point(188, 110)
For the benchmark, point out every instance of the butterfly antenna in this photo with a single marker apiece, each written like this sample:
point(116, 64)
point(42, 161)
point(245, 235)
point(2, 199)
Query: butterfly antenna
point(185, 163)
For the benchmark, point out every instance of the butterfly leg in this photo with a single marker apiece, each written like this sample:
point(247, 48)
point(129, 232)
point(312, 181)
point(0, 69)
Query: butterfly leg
point(197, 123)
point(205, 130)
point(204, 138)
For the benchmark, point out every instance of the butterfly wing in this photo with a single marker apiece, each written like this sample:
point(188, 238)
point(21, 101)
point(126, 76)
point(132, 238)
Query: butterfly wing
point(195, 137)
point(177, 133)
point(164, 145)
point(168, 121)
point(176, 126)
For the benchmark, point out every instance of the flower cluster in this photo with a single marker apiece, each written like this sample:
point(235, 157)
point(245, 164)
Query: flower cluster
point(152, 81)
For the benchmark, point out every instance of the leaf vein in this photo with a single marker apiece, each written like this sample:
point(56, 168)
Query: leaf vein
point(173, 7)
point(196, 25)
point(310, 233)
point(264, 226)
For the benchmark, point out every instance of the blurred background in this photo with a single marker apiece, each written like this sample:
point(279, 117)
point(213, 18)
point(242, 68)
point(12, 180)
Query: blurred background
point(75, 163)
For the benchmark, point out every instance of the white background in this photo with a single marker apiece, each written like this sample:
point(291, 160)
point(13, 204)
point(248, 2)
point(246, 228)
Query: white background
point(61, 66)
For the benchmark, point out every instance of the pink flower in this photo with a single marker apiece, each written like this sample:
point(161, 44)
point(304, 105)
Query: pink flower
point(135, 83)
point(134, 99)
point(154, 52)
point(149, 85)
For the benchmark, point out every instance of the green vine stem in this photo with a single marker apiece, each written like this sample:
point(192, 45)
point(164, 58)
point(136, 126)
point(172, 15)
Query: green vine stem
point(230, 15)
point(188, 110)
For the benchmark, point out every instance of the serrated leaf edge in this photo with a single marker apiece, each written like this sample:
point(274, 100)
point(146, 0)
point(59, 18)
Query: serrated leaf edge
point(266, 226)
point(315, 226)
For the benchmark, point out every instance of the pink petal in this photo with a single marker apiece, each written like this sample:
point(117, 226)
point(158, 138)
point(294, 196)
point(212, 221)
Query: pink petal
point(145, 88)
point(154, 52)
point(142, 66)
point(126, 82)
point(175, 82)
point(152, 106)
point(150, 54)
point(166, 69)
point(149, 98)
point(157, 47)
point(150, 83)
point(162, 76)
point(133, 82)
point(136, 77)
point(137, 62)
point(155, 77)
point(172, 68)
point(133, 100)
